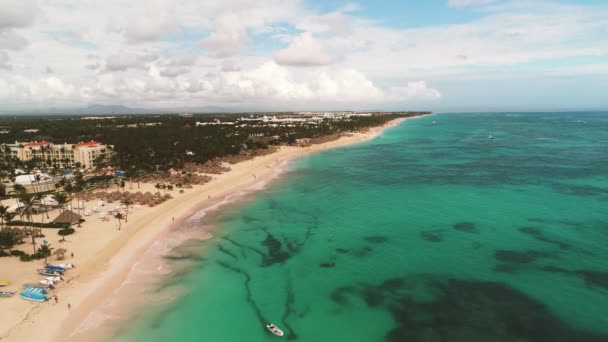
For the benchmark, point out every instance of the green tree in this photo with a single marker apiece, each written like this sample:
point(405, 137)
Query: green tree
point(128, 202)
point(62, 200)
point(9, 237)
point(3, 211)
point(28, 203)
point(45, 250)
point(119, 217)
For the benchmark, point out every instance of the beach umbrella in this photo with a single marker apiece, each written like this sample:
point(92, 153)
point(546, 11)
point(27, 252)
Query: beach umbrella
point(60, 253)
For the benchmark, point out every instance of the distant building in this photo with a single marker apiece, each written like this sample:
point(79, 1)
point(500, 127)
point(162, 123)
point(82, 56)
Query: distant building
point(60, 155)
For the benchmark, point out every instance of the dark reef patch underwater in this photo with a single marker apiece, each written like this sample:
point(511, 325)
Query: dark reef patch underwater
point(462, 310)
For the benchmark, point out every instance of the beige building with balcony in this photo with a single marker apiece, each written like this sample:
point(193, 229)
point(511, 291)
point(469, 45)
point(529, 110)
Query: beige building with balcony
point(60, 155)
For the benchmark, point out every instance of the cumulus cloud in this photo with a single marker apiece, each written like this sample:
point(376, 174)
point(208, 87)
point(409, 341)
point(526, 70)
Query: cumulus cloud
point(230, 66)
point(417, 90)
point(17, 13)
point(465, 3)
point(4, 61)
point(304, 51)
point(10, 40)
point(379, 62)
point(336, 23)
point(159, 18)
point(229, 38)
point(22, 90)
point(124, 61)
point(175, 66)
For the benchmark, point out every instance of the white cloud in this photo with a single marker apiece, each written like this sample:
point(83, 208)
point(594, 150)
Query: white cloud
point(159, 17)
point(165, 52)
point(19, 13)
point(305, 50)
point(4, 61)
point(124, 61)
point(417, 90)
point(229, 38)
point(10, 40)
point(464, 3)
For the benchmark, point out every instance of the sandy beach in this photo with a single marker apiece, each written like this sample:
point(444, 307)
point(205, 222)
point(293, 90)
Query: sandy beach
point(104, 255)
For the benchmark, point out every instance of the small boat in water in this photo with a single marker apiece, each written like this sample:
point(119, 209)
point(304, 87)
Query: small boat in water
point(34, 297)
point(6, 294)
point(274, 329)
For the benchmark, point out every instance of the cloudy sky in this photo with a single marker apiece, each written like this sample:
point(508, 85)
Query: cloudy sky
point(303, 54)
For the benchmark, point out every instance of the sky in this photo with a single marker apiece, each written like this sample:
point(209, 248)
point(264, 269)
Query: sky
point(240, 55)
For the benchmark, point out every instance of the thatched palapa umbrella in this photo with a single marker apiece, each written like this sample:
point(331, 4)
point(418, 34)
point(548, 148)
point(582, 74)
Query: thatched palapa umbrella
point(60, 253)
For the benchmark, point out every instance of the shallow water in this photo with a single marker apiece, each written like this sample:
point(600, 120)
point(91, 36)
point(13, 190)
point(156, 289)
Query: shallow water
point(432, 232)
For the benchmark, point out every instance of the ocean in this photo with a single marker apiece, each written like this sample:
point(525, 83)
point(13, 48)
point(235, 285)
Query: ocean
point(452, 227)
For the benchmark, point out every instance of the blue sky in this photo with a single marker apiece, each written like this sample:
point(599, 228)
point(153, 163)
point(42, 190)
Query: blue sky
point(442, 55)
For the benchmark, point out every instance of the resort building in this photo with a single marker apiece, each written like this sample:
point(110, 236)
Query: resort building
point(87, 154)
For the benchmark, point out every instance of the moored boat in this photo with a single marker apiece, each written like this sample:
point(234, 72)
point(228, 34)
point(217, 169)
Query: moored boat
point(4, 283)
point(34, 289)
point(40, 286)
point(274, 329)
point(6, 294)
point(34, 297)
point(66, 266)
point(48, 272)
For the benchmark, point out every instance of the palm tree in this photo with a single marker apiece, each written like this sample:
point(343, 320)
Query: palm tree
point(119, 217)
point(62, 200)
point(8, 217)
point(128, 202)
point(3, 211)
point(40, 198)
point(37, 179)
point(45, 250)
point(28, 202)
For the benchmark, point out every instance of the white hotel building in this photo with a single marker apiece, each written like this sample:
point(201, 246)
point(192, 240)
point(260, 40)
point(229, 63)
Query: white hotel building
point(61, 155)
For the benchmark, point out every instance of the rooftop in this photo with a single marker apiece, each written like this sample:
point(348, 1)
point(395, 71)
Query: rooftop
point(91, 143)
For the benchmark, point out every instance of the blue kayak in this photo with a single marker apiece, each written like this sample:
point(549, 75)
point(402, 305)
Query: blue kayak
point(35, 297)
point(55, 268)
point(34, 289)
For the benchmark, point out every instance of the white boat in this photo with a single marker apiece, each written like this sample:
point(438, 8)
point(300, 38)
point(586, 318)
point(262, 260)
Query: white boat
point(490, 136)
point(47, 282)
point(67, 266)
point(53, 279)
point(48, 272)
point(274, 329)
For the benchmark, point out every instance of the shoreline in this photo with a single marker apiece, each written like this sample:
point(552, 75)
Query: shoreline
point(90, 285)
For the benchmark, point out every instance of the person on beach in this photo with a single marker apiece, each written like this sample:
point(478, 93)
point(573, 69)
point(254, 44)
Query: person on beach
point(56, 300)
point(173, 219)
point(72, 254)
point(69, 306)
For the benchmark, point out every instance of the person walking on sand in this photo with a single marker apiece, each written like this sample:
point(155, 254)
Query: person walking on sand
point(56, 300)
point(173, 219)
point(69, 306)
point(72, 255)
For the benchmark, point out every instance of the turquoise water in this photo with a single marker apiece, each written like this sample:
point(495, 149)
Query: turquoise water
point(432, 232)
